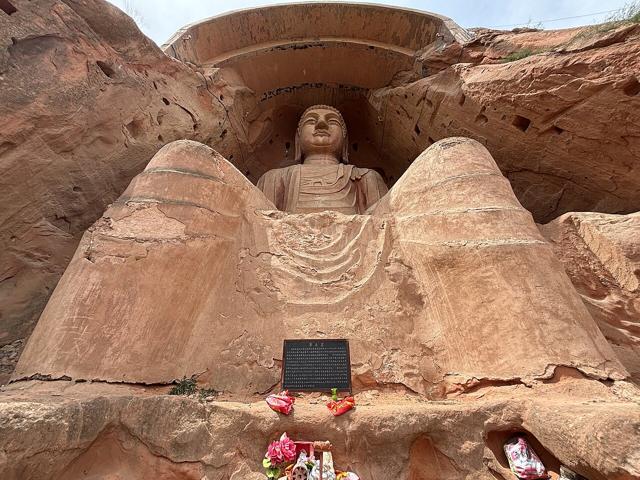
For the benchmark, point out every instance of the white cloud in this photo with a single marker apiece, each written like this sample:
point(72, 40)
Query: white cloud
point(159, 19)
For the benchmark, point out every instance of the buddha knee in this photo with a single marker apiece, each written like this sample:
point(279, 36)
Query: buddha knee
point(189, 173)
point(188, 156)
point(452, 158)
point(451, 175)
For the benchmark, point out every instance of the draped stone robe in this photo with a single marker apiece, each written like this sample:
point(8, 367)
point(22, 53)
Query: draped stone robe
point(316, 188)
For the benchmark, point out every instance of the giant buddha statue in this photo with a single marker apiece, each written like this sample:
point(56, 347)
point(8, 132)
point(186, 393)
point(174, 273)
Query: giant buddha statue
point(322, 178)
point(440, 284)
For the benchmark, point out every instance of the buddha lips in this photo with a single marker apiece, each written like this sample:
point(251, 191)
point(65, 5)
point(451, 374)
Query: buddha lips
point(341, 406)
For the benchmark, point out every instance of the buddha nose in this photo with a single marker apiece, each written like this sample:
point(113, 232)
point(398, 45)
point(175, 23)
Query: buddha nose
point(321, 124)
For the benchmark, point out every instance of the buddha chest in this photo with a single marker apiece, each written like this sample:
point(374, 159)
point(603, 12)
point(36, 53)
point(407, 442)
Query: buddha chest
point(326, 187)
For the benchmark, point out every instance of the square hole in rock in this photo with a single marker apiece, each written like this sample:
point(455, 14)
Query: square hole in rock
point(521, 123)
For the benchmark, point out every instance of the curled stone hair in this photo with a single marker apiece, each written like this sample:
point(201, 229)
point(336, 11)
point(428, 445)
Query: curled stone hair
point(345, 144)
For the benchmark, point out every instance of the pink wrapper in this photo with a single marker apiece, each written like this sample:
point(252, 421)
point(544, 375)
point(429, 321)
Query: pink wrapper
point(281, 402)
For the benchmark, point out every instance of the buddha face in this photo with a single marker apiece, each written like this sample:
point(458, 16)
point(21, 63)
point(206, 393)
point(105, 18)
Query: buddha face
point(321, 133)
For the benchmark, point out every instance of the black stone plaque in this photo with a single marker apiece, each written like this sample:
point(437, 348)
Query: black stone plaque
point(316, 365)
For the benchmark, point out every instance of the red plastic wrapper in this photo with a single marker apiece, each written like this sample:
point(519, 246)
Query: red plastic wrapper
point(341, 406)
point(281, 402)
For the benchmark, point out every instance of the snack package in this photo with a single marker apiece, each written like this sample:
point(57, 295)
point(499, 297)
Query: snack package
point(523, 461)
point(281, 402)
point(341, 406)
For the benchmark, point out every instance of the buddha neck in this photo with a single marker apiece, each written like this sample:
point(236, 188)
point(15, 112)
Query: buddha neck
point(320, 159)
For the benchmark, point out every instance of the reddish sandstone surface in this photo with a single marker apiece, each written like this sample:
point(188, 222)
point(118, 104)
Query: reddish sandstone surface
point(87, 101)
point(73, 431)
point(601, 254)
point(562, 124)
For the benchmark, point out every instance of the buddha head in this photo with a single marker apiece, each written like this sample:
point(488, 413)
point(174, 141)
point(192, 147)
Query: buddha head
point(322, 130)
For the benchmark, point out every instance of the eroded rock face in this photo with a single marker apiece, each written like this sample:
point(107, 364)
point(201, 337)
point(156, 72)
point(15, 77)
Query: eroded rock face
point(194, 259)
point(562, 124)
point(85, 101)
point(601, 255)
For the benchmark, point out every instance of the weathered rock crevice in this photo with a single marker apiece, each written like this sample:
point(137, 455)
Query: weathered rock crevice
point(600, 254)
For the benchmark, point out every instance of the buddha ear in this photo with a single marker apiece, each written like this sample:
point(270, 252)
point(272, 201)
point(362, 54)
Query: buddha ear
point(345, 150)
point(297, 147)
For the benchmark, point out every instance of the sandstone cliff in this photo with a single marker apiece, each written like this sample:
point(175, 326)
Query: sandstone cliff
point(85, 101)
point(559, 111)
point(601, 254)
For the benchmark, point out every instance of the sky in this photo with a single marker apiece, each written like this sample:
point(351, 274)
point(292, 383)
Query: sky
point(159, 19)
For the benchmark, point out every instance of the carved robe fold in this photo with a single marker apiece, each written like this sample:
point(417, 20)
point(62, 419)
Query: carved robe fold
point(316, 188)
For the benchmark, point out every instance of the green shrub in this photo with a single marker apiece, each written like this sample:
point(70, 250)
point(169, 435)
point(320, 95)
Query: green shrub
point(186, 386)
point(189, 386)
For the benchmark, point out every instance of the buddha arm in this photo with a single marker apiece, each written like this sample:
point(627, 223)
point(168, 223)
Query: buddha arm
point(272, 185)
point(371, 188)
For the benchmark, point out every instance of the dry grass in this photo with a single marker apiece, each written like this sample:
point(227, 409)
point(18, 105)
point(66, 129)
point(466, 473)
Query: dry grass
point(630, 13)
point(522, 53)
point(627, 15)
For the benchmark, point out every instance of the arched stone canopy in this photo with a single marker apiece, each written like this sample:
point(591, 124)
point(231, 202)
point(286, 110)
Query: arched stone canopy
point(234, 36)
point(296, 55)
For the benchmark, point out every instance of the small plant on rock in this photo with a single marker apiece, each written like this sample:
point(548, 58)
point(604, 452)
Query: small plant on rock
point(519, 55)
point(206, 392)
point(186, 386)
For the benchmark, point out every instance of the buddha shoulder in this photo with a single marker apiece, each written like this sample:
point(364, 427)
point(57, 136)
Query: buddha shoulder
point(358, 173)
point(276, 175)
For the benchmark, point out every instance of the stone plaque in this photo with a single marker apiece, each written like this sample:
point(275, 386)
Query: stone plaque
point(316, 365)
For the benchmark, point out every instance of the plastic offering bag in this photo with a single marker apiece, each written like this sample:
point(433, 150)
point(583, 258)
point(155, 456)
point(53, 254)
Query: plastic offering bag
point(341, 406)
point(523, 461)
point(281, 402)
